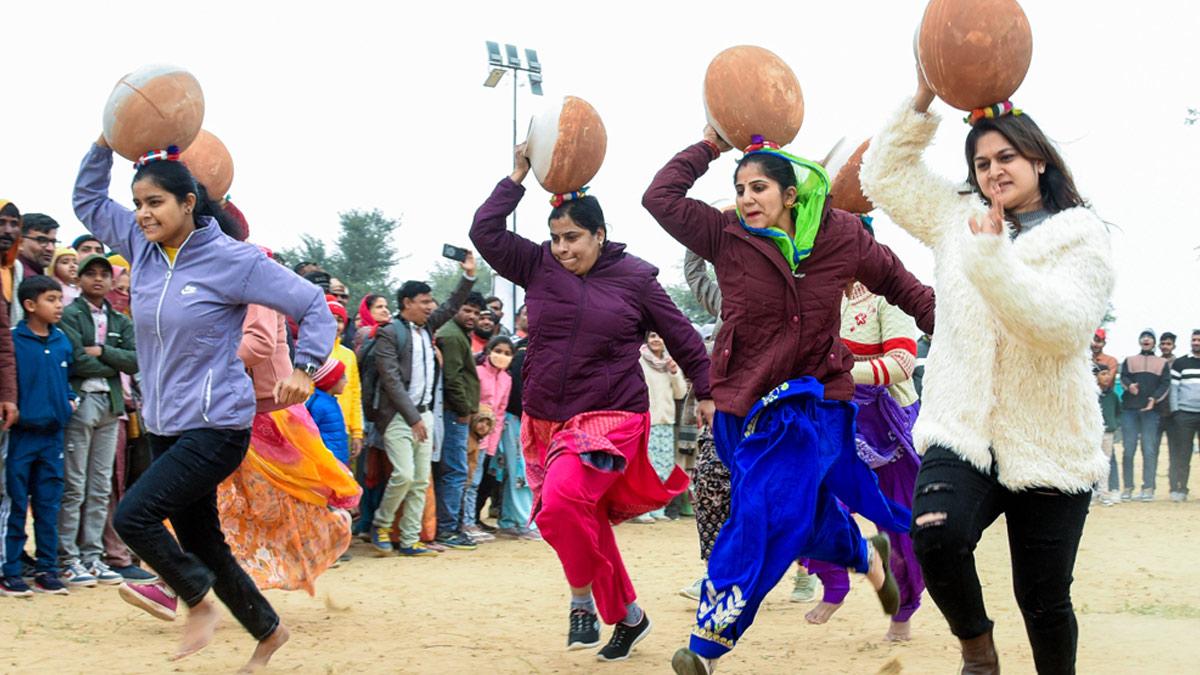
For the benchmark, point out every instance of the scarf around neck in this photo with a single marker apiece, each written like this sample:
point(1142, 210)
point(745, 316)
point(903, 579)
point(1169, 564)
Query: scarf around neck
point(659, 363)
point(812, 188)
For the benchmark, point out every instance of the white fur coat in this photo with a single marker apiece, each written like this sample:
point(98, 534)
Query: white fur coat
point(1009, 373)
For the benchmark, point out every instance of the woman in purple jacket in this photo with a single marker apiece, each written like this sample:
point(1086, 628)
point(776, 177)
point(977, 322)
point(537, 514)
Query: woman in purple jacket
point(781, 379)
point(190, 291)
point(586, 424)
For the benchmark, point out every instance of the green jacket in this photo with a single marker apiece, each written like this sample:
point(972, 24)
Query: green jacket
point(119, 353)
point(461, 380)
point(1110, 408)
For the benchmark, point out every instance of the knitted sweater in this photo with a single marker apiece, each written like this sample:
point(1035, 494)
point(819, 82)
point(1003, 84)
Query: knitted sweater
point(883, 340)
point(1005, 309)
point(665, 388)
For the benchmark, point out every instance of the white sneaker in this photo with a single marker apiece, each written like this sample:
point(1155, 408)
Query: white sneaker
point(104, 574)
point(1146, 496)
point(75, 574)
point(693, 590)
point(644, 519)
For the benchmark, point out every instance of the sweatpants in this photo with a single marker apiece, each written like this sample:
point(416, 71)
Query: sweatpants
point(33, 477)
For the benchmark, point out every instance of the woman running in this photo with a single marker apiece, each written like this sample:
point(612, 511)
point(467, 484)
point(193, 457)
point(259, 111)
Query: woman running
point(1016, 297)
point(586, 425)
point(189, 302)
point(781, 379)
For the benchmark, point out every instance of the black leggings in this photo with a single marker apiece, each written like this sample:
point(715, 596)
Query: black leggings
point(1044, 527)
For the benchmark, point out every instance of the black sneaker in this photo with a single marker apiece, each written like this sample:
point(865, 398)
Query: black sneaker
point(457, 541)
point(585, 630)
point(48, 582)
point(624, 639)
point(15, 587)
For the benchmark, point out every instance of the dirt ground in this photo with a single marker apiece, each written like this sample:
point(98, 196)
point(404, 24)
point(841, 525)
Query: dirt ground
point(503, 609)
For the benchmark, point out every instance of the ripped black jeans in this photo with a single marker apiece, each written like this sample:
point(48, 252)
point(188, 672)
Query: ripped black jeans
point(1044, 527)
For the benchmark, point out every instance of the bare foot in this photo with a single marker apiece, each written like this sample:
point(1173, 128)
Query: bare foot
point(266, 649)
point(202, 622)
point(875, 572)
point(822, 612)
point(898, 631)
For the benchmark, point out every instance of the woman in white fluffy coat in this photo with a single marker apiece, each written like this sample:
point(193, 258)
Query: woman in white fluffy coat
point(1009, 422)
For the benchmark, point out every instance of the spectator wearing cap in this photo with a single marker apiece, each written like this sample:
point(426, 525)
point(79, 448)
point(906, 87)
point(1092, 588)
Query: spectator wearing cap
point(341, 294)
point(328, 382)
point(1105, 367)
point(87, 244)
point(350, 400)
point(1147, 379)
point(104, 346)
point(1185, 402)
point(485, 329)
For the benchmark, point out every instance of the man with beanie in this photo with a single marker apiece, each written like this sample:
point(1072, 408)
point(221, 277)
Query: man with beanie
point(39, 238)
point(1185, 403)
point(87, 244)
point(1147, 380)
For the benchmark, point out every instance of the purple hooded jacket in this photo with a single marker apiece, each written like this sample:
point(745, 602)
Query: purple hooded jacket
point(188, 316)
point(585, 332)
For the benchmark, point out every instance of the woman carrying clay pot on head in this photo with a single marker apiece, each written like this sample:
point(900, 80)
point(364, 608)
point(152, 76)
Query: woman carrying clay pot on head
point(586, 424)
point(781, 379)
point(1024, 276)
point(189, 302)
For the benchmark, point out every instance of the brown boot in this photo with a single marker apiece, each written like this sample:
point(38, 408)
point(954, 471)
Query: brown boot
point(979, 656)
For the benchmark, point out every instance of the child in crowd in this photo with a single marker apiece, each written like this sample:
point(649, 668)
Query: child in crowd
point(482, 425)
point(351, 398)
point(103, 343)
point(495, 386)
point(34, 469)
point(63, 267)
point(328, 382)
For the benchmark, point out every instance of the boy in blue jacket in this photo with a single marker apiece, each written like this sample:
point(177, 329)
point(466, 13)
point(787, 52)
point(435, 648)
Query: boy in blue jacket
point(328, 382)
point(35, 448)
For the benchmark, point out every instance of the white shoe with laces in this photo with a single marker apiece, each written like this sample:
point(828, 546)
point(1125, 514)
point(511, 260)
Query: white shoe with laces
point(75, 574)
point(104, 574)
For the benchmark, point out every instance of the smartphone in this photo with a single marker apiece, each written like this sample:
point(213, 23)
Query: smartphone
point(454, 252)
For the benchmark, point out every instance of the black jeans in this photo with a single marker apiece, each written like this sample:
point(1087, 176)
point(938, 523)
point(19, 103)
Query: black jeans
point(181, 485)
point(1044, 527)
point(1182, 432)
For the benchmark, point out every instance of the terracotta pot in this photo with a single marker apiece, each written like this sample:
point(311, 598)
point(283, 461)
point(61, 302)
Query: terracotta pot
point(566, 145)
point(152, 108)
point(750, 91)
point(210, 162)
point(974, 52)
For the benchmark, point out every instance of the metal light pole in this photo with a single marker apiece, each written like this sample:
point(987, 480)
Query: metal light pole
point(499, 66)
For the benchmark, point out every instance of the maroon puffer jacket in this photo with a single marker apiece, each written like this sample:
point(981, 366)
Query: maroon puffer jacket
point(585, 332)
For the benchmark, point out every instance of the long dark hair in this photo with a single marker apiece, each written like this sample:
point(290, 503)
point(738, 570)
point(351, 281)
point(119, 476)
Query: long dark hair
point(1056, 184)
point(175, 178)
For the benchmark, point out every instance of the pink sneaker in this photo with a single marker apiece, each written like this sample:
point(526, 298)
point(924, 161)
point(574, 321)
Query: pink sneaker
point(157, 599)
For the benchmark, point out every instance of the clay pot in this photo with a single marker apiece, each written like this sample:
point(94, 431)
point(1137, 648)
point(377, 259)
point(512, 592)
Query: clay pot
point(846, 192)
point(151, 108)
point(566, 145)
point(974, 52)
point(209, 161)
point(750, 91)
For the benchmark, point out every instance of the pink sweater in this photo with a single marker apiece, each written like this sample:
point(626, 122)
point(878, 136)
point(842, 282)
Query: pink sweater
point(494, 388)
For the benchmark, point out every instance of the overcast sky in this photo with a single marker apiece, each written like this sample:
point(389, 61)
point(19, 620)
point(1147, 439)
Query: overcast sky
point(339, 105)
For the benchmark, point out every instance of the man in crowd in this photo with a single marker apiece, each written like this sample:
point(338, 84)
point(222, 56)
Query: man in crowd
point(486, 326)
point(462, 401)
point(496, 306)
point(39, 237)
point(1147, 380)
point(1185, 401)
point(86, 244)
point(407, 371)
point(341, 293)
point(1166, 421)
point(1105, 367)
point(10, 279)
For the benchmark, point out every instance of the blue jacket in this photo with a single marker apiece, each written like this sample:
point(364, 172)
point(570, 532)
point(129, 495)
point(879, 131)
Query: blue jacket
point(43, 363)
point(188, 315)
point(327, 414)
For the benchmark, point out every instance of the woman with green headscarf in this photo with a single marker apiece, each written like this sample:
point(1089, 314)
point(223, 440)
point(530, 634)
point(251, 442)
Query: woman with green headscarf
point(781, 378)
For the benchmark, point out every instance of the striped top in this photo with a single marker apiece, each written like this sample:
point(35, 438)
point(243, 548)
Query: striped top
point(1185, 384)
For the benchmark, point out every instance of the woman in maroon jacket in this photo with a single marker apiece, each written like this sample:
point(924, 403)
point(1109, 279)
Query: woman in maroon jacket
point(586, 422)
point(782, 260)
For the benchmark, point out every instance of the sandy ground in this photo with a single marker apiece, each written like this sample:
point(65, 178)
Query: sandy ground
point(502, 609)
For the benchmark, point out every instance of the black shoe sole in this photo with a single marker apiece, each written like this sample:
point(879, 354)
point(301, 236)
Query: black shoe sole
point(687, 662)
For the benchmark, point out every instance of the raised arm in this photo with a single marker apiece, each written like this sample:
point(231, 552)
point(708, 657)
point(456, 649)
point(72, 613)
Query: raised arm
point(691, 222)
point(112, 223)
point(512, 256)
point(707, 291)
point(683, 342)
point(1056, 306)
point(449, 308)
point(896, 179)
